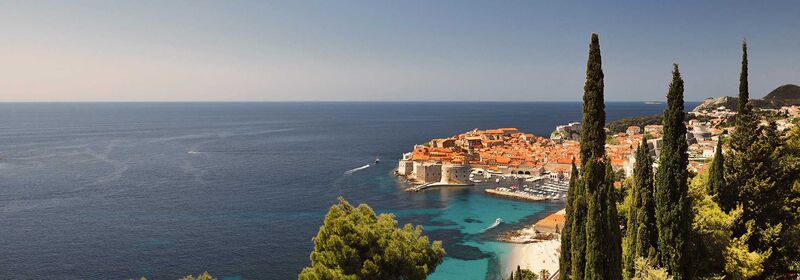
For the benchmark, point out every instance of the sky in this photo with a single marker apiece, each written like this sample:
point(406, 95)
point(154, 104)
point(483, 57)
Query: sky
point(388, 50)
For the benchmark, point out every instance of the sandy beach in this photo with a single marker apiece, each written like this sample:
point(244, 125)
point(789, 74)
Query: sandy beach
point(532, 251)
point(536, 256)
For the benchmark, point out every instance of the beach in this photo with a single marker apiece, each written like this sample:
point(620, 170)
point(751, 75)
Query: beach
point(535, 256)
point(532, 250)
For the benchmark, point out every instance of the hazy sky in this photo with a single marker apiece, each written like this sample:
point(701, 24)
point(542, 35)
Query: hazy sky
point(387, 50)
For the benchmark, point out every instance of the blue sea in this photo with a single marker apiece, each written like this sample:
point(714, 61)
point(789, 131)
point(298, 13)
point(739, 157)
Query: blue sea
point(162, 190)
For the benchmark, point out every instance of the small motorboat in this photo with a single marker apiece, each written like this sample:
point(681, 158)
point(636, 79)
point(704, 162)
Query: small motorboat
point(377, 160)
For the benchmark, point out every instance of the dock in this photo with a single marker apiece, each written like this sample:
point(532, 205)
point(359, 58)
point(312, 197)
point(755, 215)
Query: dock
point(436, 184)
point(516, 195)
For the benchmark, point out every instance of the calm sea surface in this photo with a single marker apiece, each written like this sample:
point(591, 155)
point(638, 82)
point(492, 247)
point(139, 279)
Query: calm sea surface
point(121, 190)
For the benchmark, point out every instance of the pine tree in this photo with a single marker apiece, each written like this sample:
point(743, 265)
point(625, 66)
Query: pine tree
point(673, 215)
point(564, 261)
point(716, 178)
point(354, 243)
point(642, 235)
point(759, 175)
point(767, 210)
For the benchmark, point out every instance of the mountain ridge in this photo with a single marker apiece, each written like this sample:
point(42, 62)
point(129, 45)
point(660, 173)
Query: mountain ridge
point(785, 95)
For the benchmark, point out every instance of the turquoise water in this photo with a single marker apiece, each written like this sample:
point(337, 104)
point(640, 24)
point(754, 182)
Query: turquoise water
point(462, 223)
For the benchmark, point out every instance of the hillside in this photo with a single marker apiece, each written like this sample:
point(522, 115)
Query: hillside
point(787, 94)
point(783, 95)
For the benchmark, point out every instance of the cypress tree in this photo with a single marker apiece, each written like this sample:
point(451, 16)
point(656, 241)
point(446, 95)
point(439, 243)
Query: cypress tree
point(673, 215)
point(564, 260)
point(577, 234)
point(593, 134)
point(758, 177)
point(744, 93)
point(716, 178)
point(613, 240)
point(592, 150)
point(641, 228)
point(594, 236)
point(739, 165)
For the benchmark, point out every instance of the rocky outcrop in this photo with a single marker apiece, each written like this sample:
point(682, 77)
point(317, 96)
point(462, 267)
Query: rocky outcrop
point(727, 102)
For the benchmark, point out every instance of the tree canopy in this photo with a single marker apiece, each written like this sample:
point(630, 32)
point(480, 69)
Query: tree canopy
point(673, 216)
point(354, 243)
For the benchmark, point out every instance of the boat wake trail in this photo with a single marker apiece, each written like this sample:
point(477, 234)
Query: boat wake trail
point(496, 223)
point(351, 171)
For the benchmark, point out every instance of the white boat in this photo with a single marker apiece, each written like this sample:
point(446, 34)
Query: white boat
point(497, 222)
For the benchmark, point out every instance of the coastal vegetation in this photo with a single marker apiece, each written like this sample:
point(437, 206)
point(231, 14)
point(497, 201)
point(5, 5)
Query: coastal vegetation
point(762, 178)
point(594, 236)
point(673, 215)
point(739, 220)
point(641, 240)
point(354, 243)
point(523, 274)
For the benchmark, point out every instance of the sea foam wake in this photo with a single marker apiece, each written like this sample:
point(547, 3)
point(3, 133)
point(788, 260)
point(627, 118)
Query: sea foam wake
point(497, 222)
point(351, 171)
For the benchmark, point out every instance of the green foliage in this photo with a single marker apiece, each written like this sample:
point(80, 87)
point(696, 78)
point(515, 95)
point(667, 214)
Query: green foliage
point(544, 274)
point(204, 276)
point(762, 171)
point(523, 274)
point(740, 262)
point(716, 178)
point(673, 215)
point(624, 206)
point(642, 236)
point(646, 270)
point(354, 243)
point(566, 247)
point(593, 236)
point(621, 125)
point(717, 252)
point(593, 133)
point(744, 94)
point(763, 174)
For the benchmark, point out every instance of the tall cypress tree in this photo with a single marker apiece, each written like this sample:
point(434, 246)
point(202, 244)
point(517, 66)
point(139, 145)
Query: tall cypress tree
point(641, 228)
point(673, 214)
point(716, 178)
point(744, 94)
point(593, 134)
point(592, 146)
point(564, 262)
point(739, 166)
point(594, 235)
